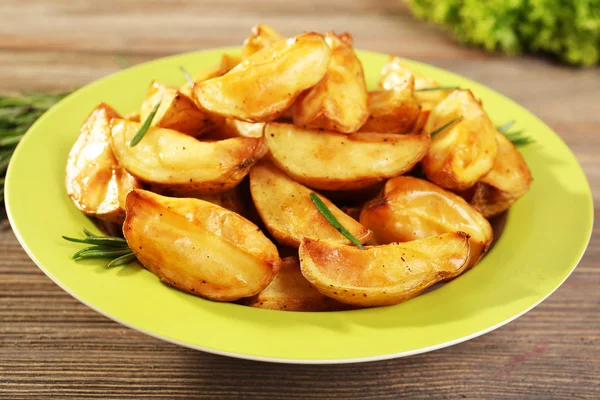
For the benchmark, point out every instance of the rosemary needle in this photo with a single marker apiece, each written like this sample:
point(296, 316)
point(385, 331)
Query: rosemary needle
point(145, 126)
point(441, 128)
point(430, 89)
point(322, 208)
point(187, 76)
point(103, 247)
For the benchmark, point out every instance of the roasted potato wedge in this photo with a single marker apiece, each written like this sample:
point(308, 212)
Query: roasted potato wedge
point(261, 37)
point(411, 209)
point(382, 275)
point(231, 200)
point(288, 212)
point(339, 101)
point(176, 111)
point(133, 116)
point(264, 85)
point(335, 161)
point(290, 291)
point(395, 72)
point(182, 163)
point(198, 247)
point(464, 152)
point(232, 128)
point(95, 181)
point(227, 63)
point(393, 111)
point(508, 180)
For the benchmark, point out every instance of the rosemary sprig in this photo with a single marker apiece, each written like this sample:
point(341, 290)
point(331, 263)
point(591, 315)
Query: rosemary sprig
point(430, 89)
point(103, 247)
point(322, 208)
point(518, 138)
point(145, 126)
point(441, 128)
point(188, 77)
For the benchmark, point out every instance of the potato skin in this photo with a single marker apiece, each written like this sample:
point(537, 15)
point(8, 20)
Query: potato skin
point(198, 247)
point(183, 164)
point(94, 180)
point(267, 83)
point(393, 111)
point(339, 161)
point(288, 213)
point(382, 275)
point(411, 209)
point(290, 291)
point(261, 37)
point(339, 101)
point(176, 111)
point(509, 180)
point(464, 152)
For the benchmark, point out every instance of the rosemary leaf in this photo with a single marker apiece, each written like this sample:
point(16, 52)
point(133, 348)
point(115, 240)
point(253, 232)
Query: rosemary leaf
point(123, 260)
point(99, 241)
point(441, 128)
point(100, 253)
point(505, 127)
point(322, 208)
point(430, 89)
point(10, 140)
point(187, 76)
point(145, 126)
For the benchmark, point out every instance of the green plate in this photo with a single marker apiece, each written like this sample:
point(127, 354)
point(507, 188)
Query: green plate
point(545, 235)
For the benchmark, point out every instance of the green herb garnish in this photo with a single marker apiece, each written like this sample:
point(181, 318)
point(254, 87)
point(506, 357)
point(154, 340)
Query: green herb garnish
point(123, 63)
point(441, 128)
point(103, 247)
point(322, 208)
point(516, 137)
point(145, 126)
point(430, 89)
point(187, 76)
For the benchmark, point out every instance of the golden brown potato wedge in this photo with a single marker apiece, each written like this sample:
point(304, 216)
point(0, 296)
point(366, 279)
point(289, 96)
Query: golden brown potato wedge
point(95, 181)
point(508, 180)
point(232, 128)
point(288, 212)
point(198, 247)
point(339, 101)
point(382, 275)
point(411, 209)
point(231, 200)
point(261, 37)
point(133, 116)
point(182, 163)
point(464, 152)
point(393, 111)
point(227, 63)
point(176, 111)
point(335, 161)
point(290, 291)
point(396, 72)
point(264, 85)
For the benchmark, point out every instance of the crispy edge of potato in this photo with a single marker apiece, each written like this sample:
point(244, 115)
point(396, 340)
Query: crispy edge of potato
point(363, 292)
point(390, 217)
point(329, 182)
point(270, 188)
point(261, 37)
point(132, 159)
point(448, 163)
point(290, 291)
point(175, 275)
point(114, 180)
point(339, 101)
point(226, 64)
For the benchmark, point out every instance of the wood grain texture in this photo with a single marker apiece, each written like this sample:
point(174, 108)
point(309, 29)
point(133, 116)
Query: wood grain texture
point(51, 346)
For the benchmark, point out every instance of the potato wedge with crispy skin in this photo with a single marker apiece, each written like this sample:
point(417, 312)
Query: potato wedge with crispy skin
point(339, 101)
point(335, 161)
point(393, 111)
point(464, 152)
point(231, 200)
point(264, 85)
point(508, 180)
point(395, 72)
point(382, 275)
point(232, 128)
point(261, 37)
point(411, 209)
point(176, 111)
point(227, 63)
point(198, 247)
point(288, 212)
point(182, 163)
point(290, 291)
point(95, 181)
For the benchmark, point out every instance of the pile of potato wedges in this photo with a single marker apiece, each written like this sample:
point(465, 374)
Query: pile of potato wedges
point(215, 200)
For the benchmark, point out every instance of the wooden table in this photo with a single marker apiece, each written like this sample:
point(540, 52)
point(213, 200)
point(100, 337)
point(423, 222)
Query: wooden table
point(51, 346)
